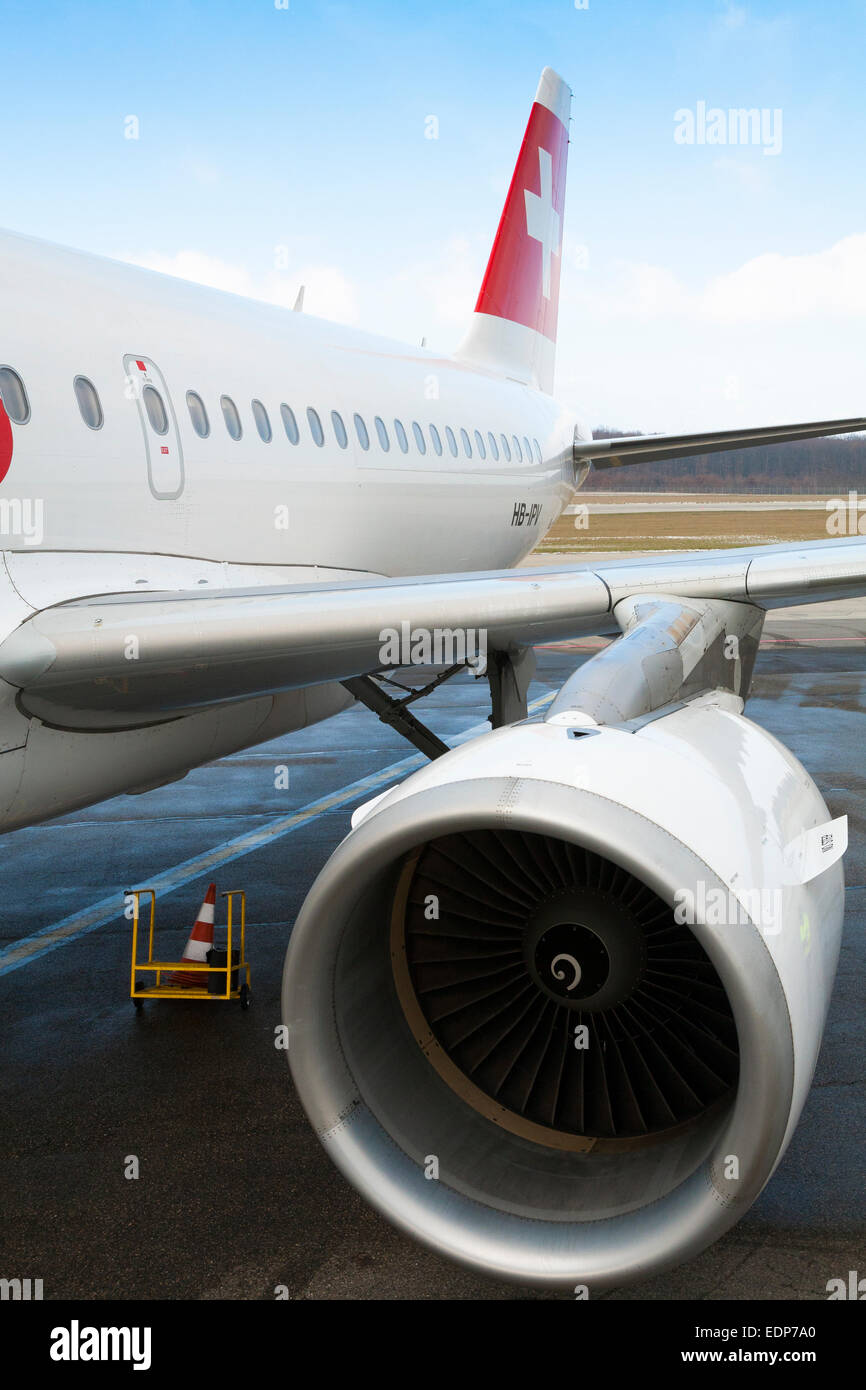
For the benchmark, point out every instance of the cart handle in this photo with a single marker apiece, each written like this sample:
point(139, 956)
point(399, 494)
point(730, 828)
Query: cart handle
point(231, 895)
point(135, 894)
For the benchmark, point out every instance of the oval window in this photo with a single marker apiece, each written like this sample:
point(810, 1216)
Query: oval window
point(506, 447)
point(315, 426)
point(479, 444)
point(290, 424)
point(231, 417)
point(263, 424)
point(452, 442)
point(88, 402)
point(198, 414)
point(515, 444)
point(419, 437)
point(526, 447)
point(13, 396)
point(537, 450)
point(491, 440)
point(339, 429)
point(437, 442)
point(467, 447)
point(361, 432)
point(155, 407)
point(401, 436)
point(383, 434)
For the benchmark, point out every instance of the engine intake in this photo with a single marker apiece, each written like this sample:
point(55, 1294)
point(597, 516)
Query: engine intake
point(503, 1030)
point(562, 996)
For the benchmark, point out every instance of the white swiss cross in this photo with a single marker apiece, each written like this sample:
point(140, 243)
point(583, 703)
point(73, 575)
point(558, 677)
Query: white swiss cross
point(542, 219)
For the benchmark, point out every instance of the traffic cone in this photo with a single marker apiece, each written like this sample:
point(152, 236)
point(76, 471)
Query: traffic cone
point(200, 942)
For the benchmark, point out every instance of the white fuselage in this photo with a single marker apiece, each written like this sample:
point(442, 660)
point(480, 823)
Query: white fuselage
point(65, 314)
point(121, 508)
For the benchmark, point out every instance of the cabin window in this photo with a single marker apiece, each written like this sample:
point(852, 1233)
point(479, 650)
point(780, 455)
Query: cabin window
point(197, 414)
point(518, 454)
point(263, 424)
point(156, 412)
point(437, 442)
point(13, 396)
point(467, 447)
point(527, 448)
point(479, 444)
point(339, 429)
point(401, 436)
point(419, 437)
point(494, 448)
point(88, 402)
point(537, 450)
point(290, 424)
point(361, 432)
point(506, 448)
point(383, 434)
point(231, 417)
point(315, 426)
point(452, 442)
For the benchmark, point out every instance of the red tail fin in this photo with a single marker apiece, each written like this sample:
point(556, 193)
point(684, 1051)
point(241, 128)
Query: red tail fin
point(513, 329)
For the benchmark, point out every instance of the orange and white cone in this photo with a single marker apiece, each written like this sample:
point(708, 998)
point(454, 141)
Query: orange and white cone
point(200, 942)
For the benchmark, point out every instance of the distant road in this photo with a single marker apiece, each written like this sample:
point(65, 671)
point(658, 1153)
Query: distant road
point(697, 504)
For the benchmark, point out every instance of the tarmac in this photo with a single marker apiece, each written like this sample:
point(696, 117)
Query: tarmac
point(234, 1197)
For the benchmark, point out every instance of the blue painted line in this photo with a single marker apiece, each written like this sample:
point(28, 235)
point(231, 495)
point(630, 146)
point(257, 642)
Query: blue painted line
point(78, 924)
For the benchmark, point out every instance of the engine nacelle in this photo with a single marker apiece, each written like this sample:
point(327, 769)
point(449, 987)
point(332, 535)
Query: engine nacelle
point(555, 1004)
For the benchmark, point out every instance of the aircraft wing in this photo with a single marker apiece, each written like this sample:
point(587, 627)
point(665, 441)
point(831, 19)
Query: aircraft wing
point(653, 448)
point(155, 655)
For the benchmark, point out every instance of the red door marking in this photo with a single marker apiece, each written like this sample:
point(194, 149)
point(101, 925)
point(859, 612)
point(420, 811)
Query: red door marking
point(5, 442)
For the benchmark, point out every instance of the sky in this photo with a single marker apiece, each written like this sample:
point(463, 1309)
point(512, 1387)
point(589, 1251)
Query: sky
point(704, 284)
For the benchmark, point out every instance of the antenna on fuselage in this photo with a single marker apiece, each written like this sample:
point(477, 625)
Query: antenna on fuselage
point(299, 302)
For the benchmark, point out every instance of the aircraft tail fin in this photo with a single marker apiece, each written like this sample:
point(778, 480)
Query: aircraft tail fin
point(513, 329)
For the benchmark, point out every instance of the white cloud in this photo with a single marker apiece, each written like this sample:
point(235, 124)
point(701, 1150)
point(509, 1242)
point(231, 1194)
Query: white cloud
point(780, 337)
point(775, 288)
point(768, 289)
point(447, 285)
point(328, 294)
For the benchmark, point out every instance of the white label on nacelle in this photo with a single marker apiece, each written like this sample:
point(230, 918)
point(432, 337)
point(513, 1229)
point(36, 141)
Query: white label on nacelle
point(815, 850)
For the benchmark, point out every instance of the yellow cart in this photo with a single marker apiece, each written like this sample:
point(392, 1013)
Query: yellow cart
point(235, 974)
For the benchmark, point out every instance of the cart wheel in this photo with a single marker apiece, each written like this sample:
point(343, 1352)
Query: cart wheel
point(139, 1004)
point(245, 996)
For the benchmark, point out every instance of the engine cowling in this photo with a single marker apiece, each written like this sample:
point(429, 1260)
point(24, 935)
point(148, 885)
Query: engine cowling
point(555, 1004)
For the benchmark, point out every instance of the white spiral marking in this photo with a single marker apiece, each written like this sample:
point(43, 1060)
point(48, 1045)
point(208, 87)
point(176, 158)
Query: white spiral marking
point(560, 974)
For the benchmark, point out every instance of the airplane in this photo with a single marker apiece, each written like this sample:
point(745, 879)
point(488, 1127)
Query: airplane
point(519, 1021)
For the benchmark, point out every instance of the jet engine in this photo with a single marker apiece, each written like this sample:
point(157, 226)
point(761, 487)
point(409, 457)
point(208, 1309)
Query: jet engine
point(555, 1003)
